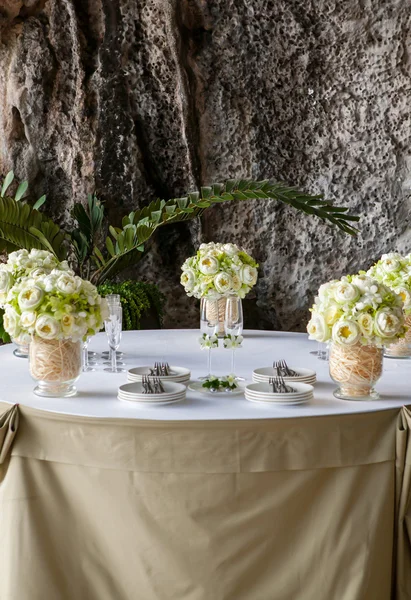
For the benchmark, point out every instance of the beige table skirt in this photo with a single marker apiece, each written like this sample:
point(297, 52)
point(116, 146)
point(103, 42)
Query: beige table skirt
point(292, 509)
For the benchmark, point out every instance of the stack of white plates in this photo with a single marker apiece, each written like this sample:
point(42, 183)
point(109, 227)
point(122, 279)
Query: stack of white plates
point(262, 392)
point(303, 375)
point(177, 374)
point(133, 392)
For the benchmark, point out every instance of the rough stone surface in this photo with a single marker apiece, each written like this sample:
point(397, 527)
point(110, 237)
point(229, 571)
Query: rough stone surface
point(150, 98)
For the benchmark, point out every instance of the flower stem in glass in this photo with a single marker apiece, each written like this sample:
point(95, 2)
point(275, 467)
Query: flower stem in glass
point(113, 360)
point(233, 361)
point(209, 362)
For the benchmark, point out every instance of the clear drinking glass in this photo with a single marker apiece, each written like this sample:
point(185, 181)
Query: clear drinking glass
point(112, 300)
point(113, 327)
point(208, 325)
point(233, 324)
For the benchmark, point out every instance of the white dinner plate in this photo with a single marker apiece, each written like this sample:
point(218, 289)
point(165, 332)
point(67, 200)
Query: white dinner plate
point(175, 372)
point(279, 397)
point(309, 380)
point(270, 372)
point(161, 403)
point(197, 386)
point(265, 389)
point(136, 387)
point(149, 397)
point(276, 403)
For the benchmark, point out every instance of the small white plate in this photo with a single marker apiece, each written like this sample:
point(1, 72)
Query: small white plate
point(270, 372)
point(276, 403)
point(290, 380)
point(265, 389)
point(136, 387)
point(174, 372)
point(152, 403)
point(279, 397)
point(197, 386)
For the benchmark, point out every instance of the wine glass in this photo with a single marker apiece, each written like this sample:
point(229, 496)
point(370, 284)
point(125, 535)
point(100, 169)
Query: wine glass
point(233, 325)
point(113, 327)
point(112, 300)
point(87, 365)
point(209, 326)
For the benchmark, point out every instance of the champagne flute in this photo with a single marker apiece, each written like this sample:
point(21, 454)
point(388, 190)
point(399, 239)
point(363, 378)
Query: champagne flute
point(208, 325)
point(112, 300)
point(87, 365)
point(233, 325)
point(113, 327)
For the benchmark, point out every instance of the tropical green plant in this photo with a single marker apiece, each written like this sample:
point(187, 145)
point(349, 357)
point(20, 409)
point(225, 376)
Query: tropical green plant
point(23, 226)
point(137, 299)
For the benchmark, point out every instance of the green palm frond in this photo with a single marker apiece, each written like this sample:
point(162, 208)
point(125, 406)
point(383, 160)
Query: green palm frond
point(23, 227)
point(126, 244)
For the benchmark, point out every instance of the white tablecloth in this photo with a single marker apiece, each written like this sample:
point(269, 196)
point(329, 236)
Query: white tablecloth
point(97, 391)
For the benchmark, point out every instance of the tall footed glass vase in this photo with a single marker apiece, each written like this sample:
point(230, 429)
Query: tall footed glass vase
point(55, 365)
point(356, 369)
point(22, 346)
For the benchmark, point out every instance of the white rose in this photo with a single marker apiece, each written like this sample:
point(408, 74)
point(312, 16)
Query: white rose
point(325, 288)
point(230, 249)
point(222, 283)
point(318, 329)
point(28, 319)
point(346, 333)
point(6, 283)
point(391, 262)
point(188, 278)
point(366, 324)
point(387, 323)
point(249, 275)
point(67, 284)
point(405, 296)
point(208, 265)
point(47, 327)
point(30, 298)
point(362, 282)
point(235, 283)
point(67, 324)
point(346, 293)
point(11, 322)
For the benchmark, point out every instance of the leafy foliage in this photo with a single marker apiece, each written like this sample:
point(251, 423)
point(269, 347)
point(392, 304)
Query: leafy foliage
point(89, 222)
point(137, 298)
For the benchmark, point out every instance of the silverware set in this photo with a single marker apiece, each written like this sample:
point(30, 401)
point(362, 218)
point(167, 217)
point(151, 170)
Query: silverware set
point(279, 386)
point(282, 369)
point(152, 386)
point(160, 369)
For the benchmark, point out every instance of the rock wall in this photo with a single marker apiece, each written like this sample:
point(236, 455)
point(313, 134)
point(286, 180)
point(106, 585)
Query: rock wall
point(151, 98)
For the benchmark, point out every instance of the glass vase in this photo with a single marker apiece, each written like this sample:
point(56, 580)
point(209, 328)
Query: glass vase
point(402, 348)
point(22, 350)
point(222, 302)
point(55, 365)
point(356, 369)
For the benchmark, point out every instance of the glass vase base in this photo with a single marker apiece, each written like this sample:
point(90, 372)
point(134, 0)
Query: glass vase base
point(356, 395)
point(21, 352)
point(397, 356)
point(55, 390)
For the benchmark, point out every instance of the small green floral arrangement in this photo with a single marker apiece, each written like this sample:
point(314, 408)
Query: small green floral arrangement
point(219, 270)
point(227, 383)
point(208, 341)
point(394, 271)
point(232, 342)
point(356, 309)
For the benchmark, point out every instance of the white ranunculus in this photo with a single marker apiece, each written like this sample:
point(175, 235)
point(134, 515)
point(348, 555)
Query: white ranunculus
point(222, 283)
point(391, 262)
point(67, 284)
point(362, 282)
point(387, 323)
point(30, 298)
point(67, 324)
point(366, 324)
point(47, 327)
point(188, 278)
point(405, 296)
point(332, 314)
point(325, 288)
point(28, 319)
point(208, 265)
point(345, 293)
point(249, 275)
point(230, 249)
point(11, 322)
point(318, 329)
point(346, 332)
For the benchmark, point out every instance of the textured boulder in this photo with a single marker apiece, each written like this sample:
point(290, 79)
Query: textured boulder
point(151, 98)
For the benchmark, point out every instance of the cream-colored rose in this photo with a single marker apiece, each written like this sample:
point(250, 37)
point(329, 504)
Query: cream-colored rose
point(366, 324)
point(346, 333)
point(222, 283)
point(28, 319)
point(67, 324)
point(249, 275)
point(391, 262)
point(345, 293)
point(230, 249)
point(405, 296)
point(332, 314)
point(208, 265)
point(67, 284)
point(6, 283)
point(235, 283)
point(30, 298)
point(318, 329)
point(11, 322)
point(387, 323)
point(187, 279)
point(47, 327)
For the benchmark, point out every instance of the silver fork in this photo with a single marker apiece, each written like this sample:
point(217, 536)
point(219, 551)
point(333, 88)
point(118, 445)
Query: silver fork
point(286, 370)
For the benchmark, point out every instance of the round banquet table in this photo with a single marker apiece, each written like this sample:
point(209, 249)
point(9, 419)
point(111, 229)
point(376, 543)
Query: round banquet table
point(214, 498)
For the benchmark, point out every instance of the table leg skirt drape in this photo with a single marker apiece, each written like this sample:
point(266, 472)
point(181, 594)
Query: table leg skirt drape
point(292, 509)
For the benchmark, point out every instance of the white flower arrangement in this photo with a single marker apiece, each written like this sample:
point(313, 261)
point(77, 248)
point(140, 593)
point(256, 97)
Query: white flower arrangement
point(356, 309)
point(208, 341)
point(219, 270)
point(53, 305)
point(394, 271)
point(23, 263)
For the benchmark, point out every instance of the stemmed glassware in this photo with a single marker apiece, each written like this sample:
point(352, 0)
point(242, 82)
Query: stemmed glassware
point(208, 326)
point(87, 365)
point(112, 300)
point(322, 351)
point(233, 325)
point(113, 326)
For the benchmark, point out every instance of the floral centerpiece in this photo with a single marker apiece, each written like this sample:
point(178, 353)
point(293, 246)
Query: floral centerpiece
point(217, 272)
point(394, 271)
point(20, 264)
point(57, 310)
point(359, 315)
